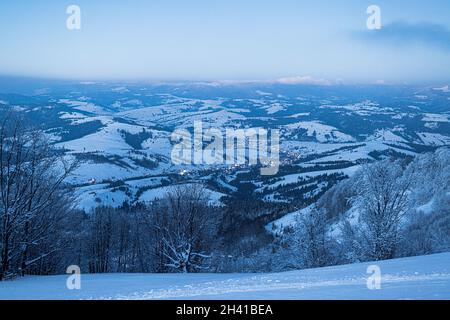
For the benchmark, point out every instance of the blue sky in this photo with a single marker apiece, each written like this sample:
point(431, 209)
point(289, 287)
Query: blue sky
point(227, 40)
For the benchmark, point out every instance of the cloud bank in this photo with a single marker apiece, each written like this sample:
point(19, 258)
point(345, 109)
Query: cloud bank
point(409, 34)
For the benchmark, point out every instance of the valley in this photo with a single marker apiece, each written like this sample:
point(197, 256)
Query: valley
point(121, 135)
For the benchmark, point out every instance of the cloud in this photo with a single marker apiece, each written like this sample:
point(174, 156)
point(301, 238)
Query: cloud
point(303, 80)
point(380, 82)
point(407, 34)
point(293, 80)
point(443, 89)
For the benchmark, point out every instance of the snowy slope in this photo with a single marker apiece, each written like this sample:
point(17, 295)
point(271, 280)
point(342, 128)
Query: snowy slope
point(322, 133)
point(425, 277)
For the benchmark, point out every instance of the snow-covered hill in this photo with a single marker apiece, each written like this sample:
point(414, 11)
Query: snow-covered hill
point(424, 277)
point(121, 133)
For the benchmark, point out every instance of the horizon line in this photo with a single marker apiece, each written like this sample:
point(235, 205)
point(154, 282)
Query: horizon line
point(288, 81)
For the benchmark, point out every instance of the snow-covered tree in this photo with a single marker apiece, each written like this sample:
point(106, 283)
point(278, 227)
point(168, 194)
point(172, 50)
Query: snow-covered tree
point(382, 201)
point(428, 224)
point(185, 225)
point(311, 241)
point(33, 195)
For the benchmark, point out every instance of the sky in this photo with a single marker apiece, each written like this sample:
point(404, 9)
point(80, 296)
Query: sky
point(320, 41)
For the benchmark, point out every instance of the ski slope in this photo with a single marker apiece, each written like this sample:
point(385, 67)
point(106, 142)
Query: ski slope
point(425, 277)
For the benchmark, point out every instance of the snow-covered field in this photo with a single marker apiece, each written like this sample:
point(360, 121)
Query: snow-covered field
point(426, 277)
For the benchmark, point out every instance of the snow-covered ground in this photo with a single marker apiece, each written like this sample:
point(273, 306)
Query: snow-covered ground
point(426, 277)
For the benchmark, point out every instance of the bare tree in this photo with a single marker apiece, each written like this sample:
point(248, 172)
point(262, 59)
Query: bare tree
point(185, 225)
point(100, 240)
point(32, 193)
